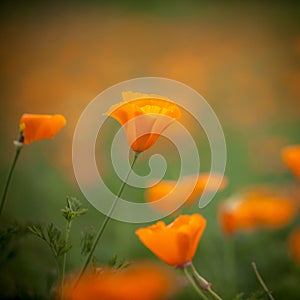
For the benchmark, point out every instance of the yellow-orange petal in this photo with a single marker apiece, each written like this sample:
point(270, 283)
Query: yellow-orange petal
point(144, 118)
point(129, 96)
point(291, 157)
point(294, 245)
point(176, 243)
point(35, 127)
point(192, 185)
point(141, 280)
point(256, 209)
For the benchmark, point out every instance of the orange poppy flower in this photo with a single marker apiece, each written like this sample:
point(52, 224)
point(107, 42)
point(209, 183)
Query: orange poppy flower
point(144, 117)
point(175, 244)
point(291, 156)
point(165, 188)
point(294, 245)
point(138, 281)
point(35, 127)
point(255, 209)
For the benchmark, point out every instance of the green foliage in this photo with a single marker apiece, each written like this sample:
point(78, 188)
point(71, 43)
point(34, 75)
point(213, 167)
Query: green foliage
point(114, 263)
point(238, 296)
point(10, 237)
point(117, 263)
point(87, 240)
point(258, 295)
point(73, 209)
point(52, 236)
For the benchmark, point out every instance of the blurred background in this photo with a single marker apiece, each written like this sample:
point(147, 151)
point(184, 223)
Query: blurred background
point(242, 57)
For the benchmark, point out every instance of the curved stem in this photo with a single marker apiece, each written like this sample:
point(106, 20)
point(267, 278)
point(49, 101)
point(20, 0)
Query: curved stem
point(264, 286)
point(107, 218)
point(63, 271)
point(3, 198)
point(204, 284)
point(214, 294)
point(194, 285)
point(56, 260)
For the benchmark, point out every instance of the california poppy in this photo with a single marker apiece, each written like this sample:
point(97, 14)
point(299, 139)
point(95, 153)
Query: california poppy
point(144, 117)
point(291, 156)
point(294, 245)
point(175, 244)
point(35, 127)
point(187, 186)
point(255, 209)
point(141, 280)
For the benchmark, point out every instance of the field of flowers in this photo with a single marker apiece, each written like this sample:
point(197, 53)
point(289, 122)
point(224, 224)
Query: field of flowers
point(244, 59)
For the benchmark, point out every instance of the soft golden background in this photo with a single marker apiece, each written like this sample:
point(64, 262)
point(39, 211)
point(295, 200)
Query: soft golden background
point(244, 58)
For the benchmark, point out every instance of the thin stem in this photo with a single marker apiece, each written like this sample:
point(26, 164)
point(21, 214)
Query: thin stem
point(204, 284)
point(3, 198)
point(264, 286)
point(107, 218)
point(68, 230)
point(56, 260)
point(214, 294)
point(194, 285)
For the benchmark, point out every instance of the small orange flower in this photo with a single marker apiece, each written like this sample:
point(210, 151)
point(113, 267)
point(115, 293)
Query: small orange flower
point(175, 244)
point(255, 209)
point(165, 188)
point(35, 127)
point(291, 156)
point(144, 117)
point(294, 245)
point(139, 281)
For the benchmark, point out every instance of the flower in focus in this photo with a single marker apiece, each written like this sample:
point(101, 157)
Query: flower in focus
point(255, 209)
point(144, 117)
point(294, 245)
point(193, 186)
point(291, 156)
point(35, 127)
point(138, 281)
point(175, 244)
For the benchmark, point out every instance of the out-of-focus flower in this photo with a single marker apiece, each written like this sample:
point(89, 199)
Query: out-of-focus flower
point(291, 156)
point(35, 127)
point(294, 245)
point(143, 280)
point(255, 209)
point(186, 187)
point(175, 244)
point(144, 117)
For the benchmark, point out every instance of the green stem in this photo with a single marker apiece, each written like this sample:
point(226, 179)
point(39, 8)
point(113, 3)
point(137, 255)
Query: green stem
point(107, 218)
point(56, 260)
point(68, 230)
point(194, 285)
point(264, 286)
point(214, 294)
point(3, 198)
point(204, 284)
